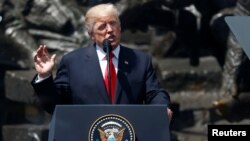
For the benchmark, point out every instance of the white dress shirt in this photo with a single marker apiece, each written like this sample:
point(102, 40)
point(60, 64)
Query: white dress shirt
point(103, 60)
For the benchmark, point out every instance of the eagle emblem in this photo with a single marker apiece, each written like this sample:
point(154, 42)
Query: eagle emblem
point(111, 128)
point(111, 135)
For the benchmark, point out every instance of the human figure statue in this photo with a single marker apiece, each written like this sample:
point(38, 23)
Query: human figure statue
point(235, 59)
point(24, 24)
point(28, 23)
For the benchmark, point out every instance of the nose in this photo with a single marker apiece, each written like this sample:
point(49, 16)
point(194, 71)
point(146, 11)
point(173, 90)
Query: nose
point(109, 28)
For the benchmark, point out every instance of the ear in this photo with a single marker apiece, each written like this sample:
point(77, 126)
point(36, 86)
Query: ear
point(91, 36)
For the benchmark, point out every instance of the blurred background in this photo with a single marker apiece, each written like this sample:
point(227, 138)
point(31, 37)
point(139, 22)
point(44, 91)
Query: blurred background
point(197, 58)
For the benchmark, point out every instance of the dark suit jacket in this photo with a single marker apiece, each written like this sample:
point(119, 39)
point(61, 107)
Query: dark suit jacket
point(79, 80)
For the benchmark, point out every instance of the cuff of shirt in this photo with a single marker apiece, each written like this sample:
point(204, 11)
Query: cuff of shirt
point(39, 79)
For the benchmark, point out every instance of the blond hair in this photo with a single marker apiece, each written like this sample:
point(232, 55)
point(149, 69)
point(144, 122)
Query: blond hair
point(97, 12)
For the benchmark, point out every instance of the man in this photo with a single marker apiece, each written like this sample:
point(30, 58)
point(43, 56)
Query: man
point(81, 75)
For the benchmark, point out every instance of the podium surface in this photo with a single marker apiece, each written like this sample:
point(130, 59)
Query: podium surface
point(110, 123)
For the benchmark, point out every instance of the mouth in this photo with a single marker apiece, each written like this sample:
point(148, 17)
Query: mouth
point(111, 38)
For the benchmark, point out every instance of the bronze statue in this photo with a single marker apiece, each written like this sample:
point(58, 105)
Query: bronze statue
point(235, 60)
point(24, 24)
point(28, 23)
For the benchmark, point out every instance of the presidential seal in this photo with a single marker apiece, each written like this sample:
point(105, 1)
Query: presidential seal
point(111, 128)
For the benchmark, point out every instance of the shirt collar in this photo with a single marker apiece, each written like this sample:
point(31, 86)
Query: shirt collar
point(101, 54)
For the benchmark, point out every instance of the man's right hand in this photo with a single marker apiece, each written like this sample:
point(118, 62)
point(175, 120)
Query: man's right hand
point(43, 62)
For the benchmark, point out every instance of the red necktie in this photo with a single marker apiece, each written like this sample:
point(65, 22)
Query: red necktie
point(110, 89)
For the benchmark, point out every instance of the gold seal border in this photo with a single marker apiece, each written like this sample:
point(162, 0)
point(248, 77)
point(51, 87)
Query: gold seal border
point(114, 115)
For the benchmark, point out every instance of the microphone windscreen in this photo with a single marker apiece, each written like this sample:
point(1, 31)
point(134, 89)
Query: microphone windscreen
point(106, 46)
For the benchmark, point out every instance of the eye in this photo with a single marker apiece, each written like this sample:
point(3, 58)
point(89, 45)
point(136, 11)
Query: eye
point(113, 23)
point(101, 26)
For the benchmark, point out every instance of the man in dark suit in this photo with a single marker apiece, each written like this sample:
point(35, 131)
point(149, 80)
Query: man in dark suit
point(80, 77)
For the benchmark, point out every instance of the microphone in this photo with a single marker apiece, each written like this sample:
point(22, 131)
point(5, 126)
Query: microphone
point(107, 46)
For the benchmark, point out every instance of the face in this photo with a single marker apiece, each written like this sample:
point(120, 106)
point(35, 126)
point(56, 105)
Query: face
point(106, 28)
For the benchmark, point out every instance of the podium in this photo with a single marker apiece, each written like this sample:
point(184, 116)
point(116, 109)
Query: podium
point(109, 123)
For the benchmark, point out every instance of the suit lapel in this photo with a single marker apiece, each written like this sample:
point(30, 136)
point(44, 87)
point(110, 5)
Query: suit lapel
point(123, 71)
point(92, 63)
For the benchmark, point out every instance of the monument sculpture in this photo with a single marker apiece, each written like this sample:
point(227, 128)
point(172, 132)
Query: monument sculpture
point(24, 25)
point(236, 63)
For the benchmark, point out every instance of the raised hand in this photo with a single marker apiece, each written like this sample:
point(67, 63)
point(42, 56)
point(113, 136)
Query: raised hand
point(43, 62)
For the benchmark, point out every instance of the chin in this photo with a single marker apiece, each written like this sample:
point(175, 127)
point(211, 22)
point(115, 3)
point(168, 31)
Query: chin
point(114, 44)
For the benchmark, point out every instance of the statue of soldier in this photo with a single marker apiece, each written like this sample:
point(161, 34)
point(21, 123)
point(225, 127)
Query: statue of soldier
point(28, 23)
point(234, 61)
point(24, 24)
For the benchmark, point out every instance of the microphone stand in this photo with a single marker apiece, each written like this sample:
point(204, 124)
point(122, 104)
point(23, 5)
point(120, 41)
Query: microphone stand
point(107, 48)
